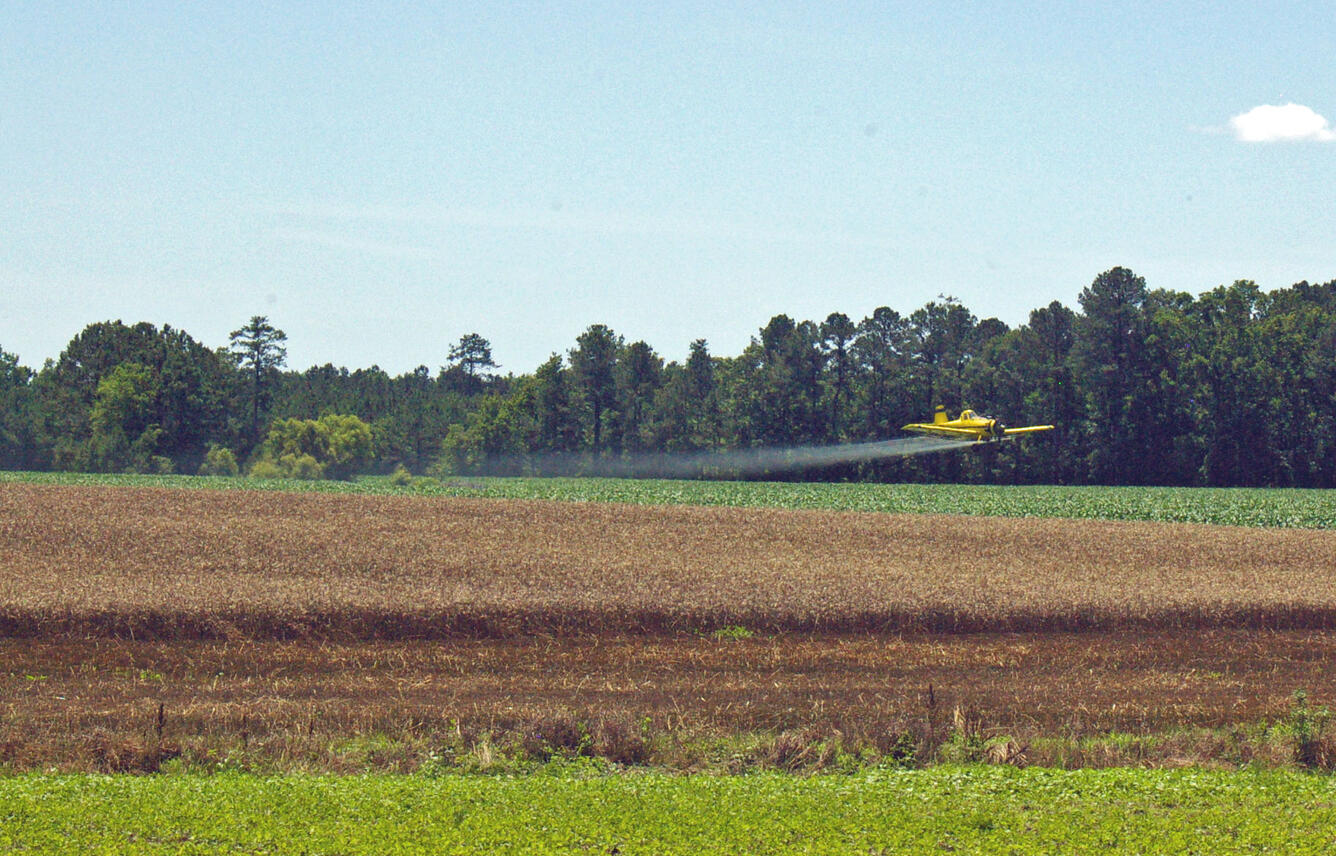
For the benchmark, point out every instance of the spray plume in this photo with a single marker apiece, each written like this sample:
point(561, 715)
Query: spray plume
point(726, 463)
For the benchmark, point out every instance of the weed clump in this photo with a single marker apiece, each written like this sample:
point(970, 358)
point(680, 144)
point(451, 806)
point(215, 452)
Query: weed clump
point(1307, 727)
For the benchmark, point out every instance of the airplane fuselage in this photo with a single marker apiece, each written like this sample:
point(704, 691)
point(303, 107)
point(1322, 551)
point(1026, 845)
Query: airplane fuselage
point(969, 427)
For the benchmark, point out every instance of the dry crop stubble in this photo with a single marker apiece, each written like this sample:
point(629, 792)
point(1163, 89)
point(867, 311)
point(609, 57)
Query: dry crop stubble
point(189, 564)
point(302, 629)
point(93, 703)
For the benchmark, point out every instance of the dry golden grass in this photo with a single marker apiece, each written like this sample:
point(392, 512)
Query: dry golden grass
point(156, 563)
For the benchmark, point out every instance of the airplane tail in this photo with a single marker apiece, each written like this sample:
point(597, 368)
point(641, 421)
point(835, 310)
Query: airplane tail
point(939, 415)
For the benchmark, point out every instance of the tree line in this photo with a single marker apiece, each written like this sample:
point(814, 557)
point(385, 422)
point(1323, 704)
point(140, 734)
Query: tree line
point(1232, 387)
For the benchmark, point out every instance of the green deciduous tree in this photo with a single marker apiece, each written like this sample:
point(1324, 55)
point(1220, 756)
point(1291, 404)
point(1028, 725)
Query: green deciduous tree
point(494, 438)
point(219, 461)
point(333, 446)
point(123, 436)
point(193, 387)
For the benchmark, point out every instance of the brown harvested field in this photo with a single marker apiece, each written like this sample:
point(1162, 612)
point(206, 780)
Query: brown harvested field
point(158, 563)
point(345, 632)
point(94, 704)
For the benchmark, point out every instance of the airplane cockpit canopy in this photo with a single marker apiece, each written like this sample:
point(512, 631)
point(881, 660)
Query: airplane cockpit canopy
point(968, 414)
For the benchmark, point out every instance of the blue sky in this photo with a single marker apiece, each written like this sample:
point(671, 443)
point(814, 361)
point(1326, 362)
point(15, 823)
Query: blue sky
point(380, 179)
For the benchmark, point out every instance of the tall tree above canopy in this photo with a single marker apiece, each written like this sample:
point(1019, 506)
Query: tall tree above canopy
point(703, 403)
point(592, 362)
point(639, 374)
point(1054, 398)
point(881, 355)
point(686, 406)
point(943, 332)
point(259, 350)
point(473, 353)
point(781, 385)
point(837, 335)
point(1110, 355)
point(468, 359)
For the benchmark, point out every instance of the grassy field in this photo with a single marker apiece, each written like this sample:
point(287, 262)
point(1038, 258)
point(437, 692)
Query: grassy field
point(947, 809)
point(1287, 508)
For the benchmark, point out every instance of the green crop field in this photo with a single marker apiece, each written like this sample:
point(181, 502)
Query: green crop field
point(946, 809)
point(1287, 508)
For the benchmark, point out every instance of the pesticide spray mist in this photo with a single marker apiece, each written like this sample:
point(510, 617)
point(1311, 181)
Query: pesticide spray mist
point(731, 463)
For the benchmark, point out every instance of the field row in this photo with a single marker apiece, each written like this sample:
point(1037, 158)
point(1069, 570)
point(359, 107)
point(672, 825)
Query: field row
point(143, 562)
point(1287, 508)
point(1088, 699)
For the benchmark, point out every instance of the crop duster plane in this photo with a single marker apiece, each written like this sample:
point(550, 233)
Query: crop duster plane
point(970, 427)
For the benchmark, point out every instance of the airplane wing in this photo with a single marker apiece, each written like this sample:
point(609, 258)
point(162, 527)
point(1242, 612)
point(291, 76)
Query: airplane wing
point(1029, 429)
point(941, 431)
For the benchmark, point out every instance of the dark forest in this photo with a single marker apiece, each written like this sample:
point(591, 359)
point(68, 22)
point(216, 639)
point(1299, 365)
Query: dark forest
point(1233, 387)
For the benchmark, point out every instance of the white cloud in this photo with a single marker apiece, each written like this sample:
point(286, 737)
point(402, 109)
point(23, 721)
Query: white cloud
point(1270, 123)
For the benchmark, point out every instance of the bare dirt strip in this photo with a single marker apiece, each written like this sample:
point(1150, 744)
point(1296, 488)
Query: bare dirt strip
point(169, 564)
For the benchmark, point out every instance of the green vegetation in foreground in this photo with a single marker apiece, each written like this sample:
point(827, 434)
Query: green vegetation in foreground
point(961, 809)
point(1271, 507)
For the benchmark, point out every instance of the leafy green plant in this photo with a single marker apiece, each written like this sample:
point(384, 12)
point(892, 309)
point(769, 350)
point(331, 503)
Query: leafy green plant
point(219, 461)
point(333, 446)
point(966, 741)
point(265, 469)
point(567, 807)
point(1307, 725)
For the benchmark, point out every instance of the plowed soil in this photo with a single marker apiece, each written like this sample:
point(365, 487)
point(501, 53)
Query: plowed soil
point(301, 629)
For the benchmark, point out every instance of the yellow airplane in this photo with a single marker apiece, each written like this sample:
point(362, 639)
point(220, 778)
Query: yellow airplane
point(970, 427)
